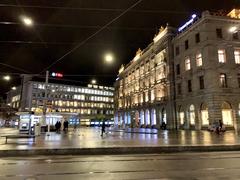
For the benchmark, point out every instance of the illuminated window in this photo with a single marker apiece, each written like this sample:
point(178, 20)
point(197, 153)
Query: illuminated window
point(221, 56)
point(223, 80)
point(204, 114)
point(192, 115)
point(227, 116)
point(199, 59)
point(187, 64)
point(239, 109)
point(152, 95)
point(146, 96)
point(75, 104)
point(237, 56)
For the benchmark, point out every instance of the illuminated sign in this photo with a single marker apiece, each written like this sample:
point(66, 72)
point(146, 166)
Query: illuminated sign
point(57, 75)
point(187, 23)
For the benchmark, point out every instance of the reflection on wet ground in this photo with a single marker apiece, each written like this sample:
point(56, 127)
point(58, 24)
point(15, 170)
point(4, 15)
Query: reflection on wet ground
point(90, 138)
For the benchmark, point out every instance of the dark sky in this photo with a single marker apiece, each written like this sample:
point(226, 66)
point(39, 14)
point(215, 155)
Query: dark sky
point(61, 24)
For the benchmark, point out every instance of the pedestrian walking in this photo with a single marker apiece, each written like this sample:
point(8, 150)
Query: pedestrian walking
point(58, 126)
point(65, 126)
point(103, 128)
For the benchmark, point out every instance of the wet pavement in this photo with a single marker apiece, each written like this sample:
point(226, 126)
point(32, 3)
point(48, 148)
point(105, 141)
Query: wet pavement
point(179, 166)
point(90, 138)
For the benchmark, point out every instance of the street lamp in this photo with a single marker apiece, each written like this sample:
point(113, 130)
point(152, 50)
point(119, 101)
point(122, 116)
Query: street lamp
point(93, 81)
point(14, 88)
point(108, 58)
point(27, 21)
point(7, 78)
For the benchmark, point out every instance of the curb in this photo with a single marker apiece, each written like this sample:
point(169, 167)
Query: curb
point(118, 150)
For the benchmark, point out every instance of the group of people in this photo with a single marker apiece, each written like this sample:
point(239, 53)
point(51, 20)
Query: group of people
point(217, 127)
point(59, 124)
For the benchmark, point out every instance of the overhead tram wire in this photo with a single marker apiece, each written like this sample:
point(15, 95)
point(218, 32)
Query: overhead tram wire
point(15, 68)
point(91, 36)
point(93, 9)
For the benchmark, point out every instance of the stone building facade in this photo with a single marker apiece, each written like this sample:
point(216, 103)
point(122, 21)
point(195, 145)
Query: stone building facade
point(201, 83)
point(207, 71)
point(144, 89)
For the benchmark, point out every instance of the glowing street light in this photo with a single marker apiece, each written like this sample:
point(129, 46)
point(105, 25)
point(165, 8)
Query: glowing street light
point(27, 21)
point(93, 81)
point(232, 29)
point(108, 58)
point(7, 78)
point(14, 88)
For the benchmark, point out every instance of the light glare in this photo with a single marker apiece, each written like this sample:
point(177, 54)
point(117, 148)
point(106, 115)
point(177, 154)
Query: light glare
point(6, 78)
point(109, 58)
point(233, 29)
point(27, 21)
point(14, 88)
point(93, 81)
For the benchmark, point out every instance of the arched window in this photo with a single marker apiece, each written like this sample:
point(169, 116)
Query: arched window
point(153, 117)
point(181, 115)
point(137, 119)
point(164, 116)
point(192, 115)
point(142, 117)
point(227, 114)
point(204, 114)
point(239, 109)
point(147, 117)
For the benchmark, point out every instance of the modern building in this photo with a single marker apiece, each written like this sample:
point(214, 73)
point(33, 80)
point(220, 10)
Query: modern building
point(202, 76)
point(84, 105)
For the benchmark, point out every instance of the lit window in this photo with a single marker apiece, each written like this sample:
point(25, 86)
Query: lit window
point(146, 96)
point(199, 59)
point(223, 80)
point(187, 64)
point(221, 56)
point(192, 115)
point(237, 56)
point(152, 95)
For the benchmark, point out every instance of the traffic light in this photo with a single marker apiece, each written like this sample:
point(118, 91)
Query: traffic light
point(54, 74)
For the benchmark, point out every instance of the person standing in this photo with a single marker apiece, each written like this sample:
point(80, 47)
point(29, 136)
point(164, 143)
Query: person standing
point(65, 126)
point(103, 128)
point(220, 125)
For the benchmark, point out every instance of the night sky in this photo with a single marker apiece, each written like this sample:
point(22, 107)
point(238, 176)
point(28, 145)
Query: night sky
point(59, 25)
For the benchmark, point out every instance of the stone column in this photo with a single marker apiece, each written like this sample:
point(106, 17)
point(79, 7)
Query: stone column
point(197, 119)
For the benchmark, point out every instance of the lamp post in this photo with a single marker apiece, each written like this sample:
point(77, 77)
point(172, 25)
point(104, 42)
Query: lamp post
point(45, 104)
